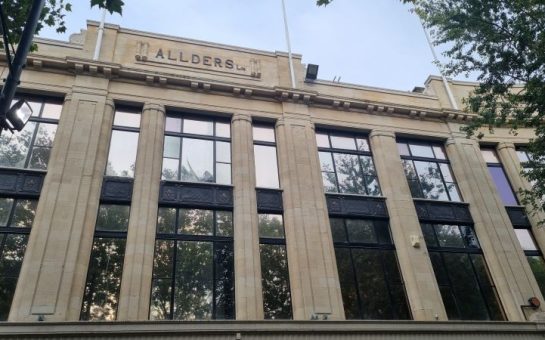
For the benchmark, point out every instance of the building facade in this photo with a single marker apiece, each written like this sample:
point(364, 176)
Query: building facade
point(178, 188)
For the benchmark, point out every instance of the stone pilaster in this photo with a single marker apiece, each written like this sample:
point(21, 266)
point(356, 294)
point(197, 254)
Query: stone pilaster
point(248, 294)
point(421, 286)
point(134, 296)
point(507, 264)
point(313, 271)
point(52, 278)
point(511, 164)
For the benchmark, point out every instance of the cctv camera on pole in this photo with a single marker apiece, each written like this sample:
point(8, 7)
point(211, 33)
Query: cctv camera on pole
point(14, 117)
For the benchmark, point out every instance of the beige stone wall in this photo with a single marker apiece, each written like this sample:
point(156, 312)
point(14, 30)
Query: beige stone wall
point(55, 266)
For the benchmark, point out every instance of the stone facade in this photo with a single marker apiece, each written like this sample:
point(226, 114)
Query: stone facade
point(158, 74)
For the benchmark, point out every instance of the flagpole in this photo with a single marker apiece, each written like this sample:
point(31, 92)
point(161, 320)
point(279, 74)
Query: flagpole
point(290, 59)
point(445, 82)
point(100, 34)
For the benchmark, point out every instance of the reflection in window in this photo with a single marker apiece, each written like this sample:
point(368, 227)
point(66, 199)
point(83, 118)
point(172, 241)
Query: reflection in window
point(464, 281)
point(101, 295)
point(197, 150)
point(346, 164)
point(371, 284)
point(274, 267)
point(193, 275)
point(499, 177)
point(31, 147)
point(428, 171)
point(16, 217)
point(123, 144)
point(266, 165)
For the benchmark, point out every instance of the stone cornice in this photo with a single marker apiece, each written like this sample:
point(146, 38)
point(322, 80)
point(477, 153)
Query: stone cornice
point(201, 84)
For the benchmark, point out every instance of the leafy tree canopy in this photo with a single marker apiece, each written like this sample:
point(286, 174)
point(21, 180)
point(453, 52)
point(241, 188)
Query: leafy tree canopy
point(503, 42)
point(53, 14)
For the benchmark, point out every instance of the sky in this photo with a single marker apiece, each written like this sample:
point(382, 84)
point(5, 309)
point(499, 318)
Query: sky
point(375, 43)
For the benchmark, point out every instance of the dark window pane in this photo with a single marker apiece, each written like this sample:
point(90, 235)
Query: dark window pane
point(275, 281)
point(372, 287)
point(337, 229)
point(14, 147)
point(24, 213)
point(5, 210)
point(502, 185)
point(453, 192)
point(414, 186)
point(45, 135)
point(224, 223)
point(194, 281)
point(12, 254)
point(113, 217)
point(322, 140)
point(408, 167)
point(122, 156)
point(166, 221)
point(449, 236)
point(450, 303)
point(223, 130)
point(225, 281)
point(348, 284)
point(172, 147)
point(52, 111)
point(339, 142)
point(383, 232)
point(266, 166)
point(164, 259)
point(7, 289)
point(173, 124)
point(399, 302)
point(361, 231)
point(39, 158)
point(466, 290)
point(271, 226)
point(367, 165)
point(196, 222)
point(197, 160)
point(128, 119)
point(349, 173)
point(487, 288)
point(430, 180)
point(161, 291)
point(264, 134)
point(429, 235)
point(198, 127)
point(439, 268)
point(372, 187)
point(391, 267)
point(101, 293)
point(470, 239)
point(538, 268)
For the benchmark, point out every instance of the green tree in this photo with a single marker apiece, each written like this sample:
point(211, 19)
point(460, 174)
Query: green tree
point(503, 43)
point(53, 14)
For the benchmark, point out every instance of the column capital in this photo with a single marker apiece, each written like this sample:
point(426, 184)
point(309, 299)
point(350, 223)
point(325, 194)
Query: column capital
point(241, 116)
point(505, 145)
point(154, 106)
point(382, 133)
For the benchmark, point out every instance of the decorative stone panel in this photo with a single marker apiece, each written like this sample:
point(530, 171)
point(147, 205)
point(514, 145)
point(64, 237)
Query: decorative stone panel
point(20, 182)
point(439, 211)
point(197, 195)
point(357, 206)
point(269, 200)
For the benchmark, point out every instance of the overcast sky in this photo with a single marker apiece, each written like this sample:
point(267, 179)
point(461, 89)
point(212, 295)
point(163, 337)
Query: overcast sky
point(367, 42)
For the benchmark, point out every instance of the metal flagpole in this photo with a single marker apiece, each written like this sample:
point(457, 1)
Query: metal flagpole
point(289, 45)
point(445, 82)
point(100, 34)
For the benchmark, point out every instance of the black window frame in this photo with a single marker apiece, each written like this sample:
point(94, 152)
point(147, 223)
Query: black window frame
point(378, 246)
point(178, 237)
point(38, 120)
point(439, 161)
point(468, 250)
point(214, 138)
point(107, 234)
point(270, 144)
point(331, 150)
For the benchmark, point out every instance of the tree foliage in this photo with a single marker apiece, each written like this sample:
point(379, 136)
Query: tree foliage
point(503, 43)
point(53, 14)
